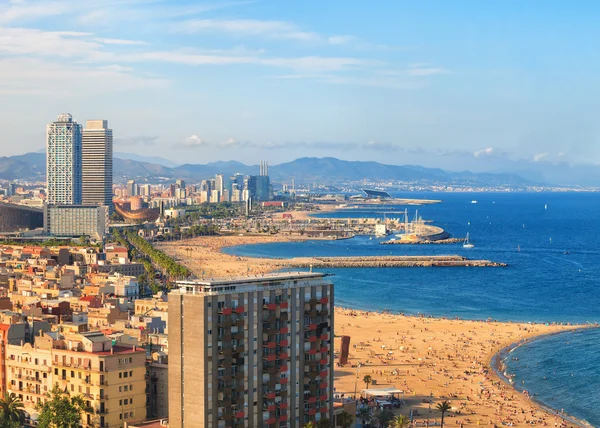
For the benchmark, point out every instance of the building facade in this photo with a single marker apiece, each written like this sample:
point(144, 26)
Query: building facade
point(97, 164)
point(63, 161)
point(111, 379)
point(76, 220)
point(251, 351)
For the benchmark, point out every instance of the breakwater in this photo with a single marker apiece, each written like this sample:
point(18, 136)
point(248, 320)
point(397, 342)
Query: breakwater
point(441, 241)
point(390, 261)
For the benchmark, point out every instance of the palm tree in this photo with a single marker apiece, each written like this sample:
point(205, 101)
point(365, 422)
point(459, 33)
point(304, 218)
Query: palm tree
point(310, 425)
point(367, 380)
point(364, 414)
point(11, 408)
point(344, 420)
point(443, 407)
point(383, 418)
point(400, 421)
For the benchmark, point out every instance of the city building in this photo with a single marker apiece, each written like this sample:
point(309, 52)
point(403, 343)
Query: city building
point(132, 189)
point(97, 164)
point(145, 190)
point(76, 220)
point(63, 161)
point(251, 351)
point(219, 183)
point(110, 378)
point(15, 217)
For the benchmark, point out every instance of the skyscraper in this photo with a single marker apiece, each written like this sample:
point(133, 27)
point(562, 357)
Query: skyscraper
point(97, 164)
point(251, 351)
point(131, 188)
point(63, 161)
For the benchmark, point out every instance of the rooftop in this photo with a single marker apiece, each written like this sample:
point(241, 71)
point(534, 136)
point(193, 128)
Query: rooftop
point(256, 279)
point(244, 284)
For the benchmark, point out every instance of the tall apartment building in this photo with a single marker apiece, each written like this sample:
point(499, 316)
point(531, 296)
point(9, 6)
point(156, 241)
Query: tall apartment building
point(97, 164)
point(251, 351)
point(219, 183)
point(132, 188)
point(110, 378)
point(63, 161)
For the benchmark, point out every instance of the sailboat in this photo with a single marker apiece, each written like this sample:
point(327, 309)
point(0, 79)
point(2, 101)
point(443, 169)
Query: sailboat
point(467, 244)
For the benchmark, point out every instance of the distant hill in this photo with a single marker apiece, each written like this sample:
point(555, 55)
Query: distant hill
point(303, 170)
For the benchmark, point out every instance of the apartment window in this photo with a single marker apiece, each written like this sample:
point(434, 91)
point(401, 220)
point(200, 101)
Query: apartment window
point(120, 402)
point(120, 375)
point(131, 373)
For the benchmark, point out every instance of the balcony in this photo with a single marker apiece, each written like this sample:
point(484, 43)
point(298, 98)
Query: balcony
point(284, 305)
point(270, 306)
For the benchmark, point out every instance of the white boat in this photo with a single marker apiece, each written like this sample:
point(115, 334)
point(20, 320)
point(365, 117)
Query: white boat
point(473, 202)
point(467, 244)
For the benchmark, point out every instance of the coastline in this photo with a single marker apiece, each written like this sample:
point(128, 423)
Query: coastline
point(207, 251)
point(497, 365)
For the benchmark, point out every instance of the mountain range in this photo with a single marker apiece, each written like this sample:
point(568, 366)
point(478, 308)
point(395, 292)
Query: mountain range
point(32, 166)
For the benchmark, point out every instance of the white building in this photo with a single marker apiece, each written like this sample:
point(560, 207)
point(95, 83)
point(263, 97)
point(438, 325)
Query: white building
point(63, 161)
point(97, 164)
point(76, 220)
point(122, 286)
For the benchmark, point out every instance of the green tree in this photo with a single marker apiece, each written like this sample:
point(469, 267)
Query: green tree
point(61, 410)
point(367, 380)
point(310, 425)
point(345, 420)
point(443, 407)
point(365, 415)
point(399, 421)
point(383, 418)
point(11, 409)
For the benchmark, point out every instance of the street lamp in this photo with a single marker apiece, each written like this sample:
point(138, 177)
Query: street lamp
point(356, 380)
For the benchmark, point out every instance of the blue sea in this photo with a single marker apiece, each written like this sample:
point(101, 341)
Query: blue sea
point(550, 242)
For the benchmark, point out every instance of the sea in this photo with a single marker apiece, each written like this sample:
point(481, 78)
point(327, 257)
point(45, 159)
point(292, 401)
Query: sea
point(550, 242)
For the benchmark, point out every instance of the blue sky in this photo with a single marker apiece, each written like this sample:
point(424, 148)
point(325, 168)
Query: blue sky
point(462, 84)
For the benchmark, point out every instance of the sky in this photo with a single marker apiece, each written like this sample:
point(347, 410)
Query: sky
point(458, 85)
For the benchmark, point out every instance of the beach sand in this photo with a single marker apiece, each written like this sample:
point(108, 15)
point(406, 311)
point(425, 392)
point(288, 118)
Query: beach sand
point(203, 255)
point(441, 358)
point(447, 359)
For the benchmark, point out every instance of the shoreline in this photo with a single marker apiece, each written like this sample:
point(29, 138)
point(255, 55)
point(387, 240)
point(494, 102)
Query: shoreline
point(497, 364)
point(493, 337)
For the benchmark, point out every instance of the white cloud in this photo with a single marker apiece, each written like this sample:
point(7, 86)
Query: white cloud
point(484, 152)
point(340, 40)
point(121, 42)
point(191, 142)
point(426, 71)
point(250, 27)
point(539, 157)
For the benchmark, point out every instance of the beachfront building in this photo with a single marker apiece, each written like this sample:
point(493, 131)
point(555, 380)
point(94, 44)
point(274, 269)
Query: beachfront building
point(251, 351)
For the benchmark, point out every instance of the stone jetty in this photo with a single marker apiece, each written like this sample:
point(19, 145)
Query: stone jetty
point(390, 261)
point(439, 241)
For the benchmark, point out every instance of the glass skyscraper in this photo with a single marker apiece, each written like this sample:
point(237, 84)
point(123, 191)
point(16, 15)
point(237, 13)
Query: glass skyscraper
point(63, 161)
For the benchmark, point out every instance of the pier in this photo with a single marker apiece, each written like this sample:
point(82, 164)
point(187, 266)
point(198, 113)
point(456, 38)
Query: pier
point(390, 261)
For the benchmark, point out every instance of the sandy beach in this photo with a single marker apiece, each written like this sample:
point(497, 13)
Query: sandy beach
point(443, 359)
point(425, 357)
point(203, 255)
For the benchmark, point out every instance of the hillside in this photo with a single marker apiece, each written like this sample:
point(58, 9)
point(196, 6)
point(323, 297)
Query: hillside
point(32, 166)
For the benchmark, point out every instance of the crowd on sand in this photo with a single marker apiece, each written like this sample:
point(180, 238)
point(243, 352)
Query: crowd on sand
point(436, 359)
